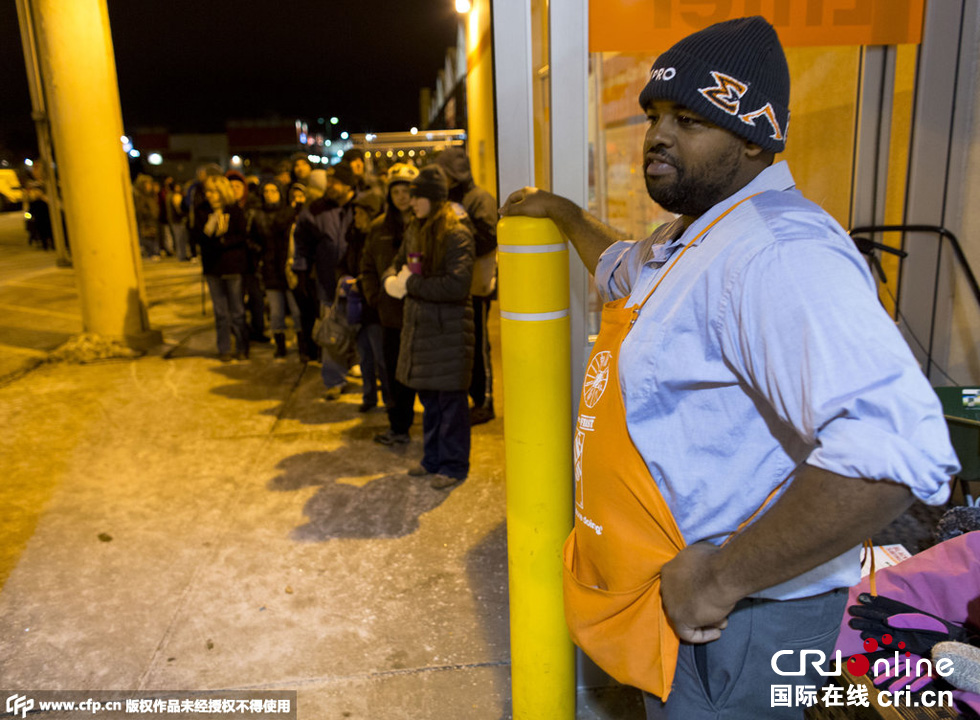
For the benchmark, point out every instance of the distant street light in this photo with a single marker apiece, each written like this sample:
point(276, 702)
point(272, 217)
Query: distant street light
point(463, 6)
point(334, 120)
point(154, 159)
point(414, 131)
point(344, 135)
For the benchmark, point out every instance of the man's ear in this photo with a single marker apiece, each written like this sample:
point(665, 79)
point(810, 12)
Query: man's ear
point(752, 150)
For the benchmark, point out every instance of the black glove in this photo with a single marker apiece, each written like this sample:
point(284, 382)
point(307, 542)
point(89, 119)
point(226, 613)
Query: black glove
point(879, 616)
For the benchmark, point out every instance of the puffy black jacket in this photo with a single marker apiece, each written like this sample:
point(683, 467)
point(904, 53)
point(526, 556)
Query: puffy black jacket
point(436, 351)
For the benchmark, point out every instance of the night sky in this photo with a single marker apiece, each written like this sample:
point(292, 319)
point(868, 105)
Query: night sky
point(188, 65)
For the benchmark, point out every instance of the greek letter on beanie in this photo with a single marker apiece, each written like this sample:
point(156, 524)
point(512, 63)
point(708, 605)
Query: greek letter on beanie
point(431, 183)
point(734, 74)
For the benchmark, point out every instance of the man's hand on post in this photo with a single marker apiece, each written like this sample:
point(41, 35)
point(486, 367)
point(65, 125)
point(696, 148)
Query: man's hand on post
point(693, 603)
point(530, 202)
point(588, 235)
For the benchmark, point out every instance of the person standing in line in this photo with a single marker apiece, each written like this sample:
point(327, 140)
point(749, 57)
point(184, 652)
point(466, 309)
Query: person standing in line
point(366, 182)
point(176, 220)
point(195, 204)
point(750, 413)
point(481, 208)
point(147, 216)
point(251, 279)
point(383, 242)
point(301, 167)
point(269, 232)
point(433, 271)
point(320, 239)
point(221, 236)
point(303, 286)
point(367, 206)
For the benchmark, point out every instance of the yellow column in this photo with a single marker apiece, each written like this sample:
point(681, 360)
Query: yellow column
point(79, 73)
point(534, 333)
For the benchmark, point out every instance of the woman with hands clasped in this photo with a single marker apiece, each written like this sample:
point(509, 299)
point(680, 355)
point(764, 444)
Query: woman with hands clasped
point(433, 271)
point(221, 235)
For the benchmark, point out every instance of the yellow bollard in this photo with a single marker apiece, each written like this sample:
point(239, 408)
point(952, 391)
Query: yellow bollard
point(79, 72)
point(535, 344)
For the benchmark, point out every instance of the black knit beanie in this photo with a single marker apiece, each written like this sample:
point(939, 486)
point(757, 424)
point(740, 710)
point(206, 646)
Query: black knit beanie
point(733, 74)
point(431, 183)
point(343, 173)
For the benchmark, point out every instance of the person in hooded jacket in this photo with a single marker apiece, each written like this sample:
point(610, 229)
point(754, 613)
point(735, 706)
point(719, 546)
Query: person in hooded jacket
point(433, 271)
point(382, 244)
point(271, 225)
point(481, 207)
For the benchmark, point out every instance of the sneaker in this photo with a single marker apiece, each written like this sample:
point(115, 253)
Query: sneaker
point(392, 438)
point(418, 471)
point(441, 482)
point(225, 358)
point(480, 415)
point(366, 407)
point(333, 393)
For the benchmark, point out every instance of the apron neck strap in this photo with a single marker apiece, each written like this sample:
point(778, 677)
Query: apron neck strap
point(685, 248)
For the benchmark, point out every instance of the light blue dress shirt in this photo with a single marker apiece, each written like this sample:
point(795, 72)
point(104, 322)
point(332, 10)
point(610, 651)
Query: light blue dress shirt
point(763, 348)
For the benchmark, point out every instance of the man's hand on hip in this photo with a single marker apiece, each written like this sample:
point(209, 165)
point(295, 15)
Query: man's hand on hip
point(694, 604)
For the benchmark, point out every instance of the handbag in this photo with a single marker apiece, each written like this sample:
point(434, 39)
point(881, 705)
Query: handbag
point(335, 335)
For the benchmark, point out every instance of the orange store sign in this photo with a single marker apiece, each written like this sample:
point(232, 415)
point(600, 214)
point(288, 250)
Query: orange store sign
point(654, 25)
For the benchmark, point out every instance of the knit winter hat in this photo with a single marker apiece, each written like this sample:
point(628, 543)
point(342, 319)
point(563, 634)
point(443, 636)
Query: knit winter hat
point(431, 183)
point(343, 173)
point(734, 74)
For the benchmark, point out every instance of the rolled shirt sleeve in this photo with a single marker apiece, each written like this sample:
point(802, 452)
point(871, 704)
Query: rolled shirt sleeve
point(805, 328)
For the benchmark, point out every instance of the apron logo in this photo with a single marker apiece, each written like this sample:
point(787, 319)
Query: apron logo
point(596, 378)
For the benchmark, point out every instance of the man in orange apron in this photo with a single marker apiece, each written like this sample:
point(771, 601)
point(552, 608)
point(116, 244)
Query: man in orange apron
point(749, 415)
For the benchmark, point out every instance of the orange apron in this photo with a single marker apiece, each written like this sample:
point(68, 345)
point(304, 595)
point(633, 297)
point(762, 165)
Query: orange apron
point(624, 532)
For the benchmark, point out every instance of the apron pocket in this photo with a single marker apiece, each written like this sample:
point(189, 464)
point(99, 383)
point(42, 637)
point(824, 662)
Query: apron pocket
point(625, 632)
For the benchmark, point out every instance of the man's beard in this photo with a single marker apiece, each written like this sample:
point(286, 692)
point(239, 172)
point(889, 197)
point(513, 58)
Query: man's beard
point(695, 192)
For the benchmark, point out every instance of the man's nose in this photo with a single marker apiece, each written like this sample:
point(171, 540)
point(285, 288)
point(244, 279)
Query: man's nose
point(660, 132)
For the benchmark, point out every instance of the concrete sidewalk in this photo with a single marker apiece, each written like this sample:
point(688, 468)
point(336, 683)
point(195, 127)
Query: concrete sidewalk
point(175, 523)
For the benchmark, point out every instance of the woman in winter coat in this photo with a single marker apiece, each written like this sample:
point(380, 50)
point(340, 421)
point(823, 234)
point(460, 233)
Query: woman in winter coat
point(434, 271)
point(221, 236)
point(270, 232)
point(382, 244)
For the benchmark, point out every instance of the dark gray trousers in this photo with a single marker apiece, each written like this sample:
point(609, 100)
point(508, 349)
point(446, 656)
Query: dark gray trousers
point(732, 678)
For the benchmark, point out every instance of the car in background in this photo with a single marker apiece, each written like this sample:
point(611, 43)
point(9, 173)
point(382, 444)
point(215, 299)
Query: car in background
point(11, 193)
